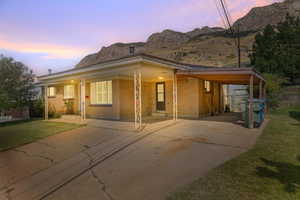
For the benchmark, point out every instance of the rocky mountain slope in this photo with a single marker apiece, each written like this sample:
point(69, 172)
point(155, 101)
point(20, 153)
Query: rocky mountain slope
point(259, 17)
point(205, 46)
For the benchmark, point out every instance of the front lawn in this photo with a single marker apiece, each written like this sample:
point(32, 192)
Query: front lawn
point(270, 171)
point(18, 133)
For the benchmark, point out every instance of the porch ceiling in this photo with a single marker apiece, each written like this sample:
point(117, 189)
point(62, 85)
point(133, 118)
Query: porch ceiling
point(235, 76)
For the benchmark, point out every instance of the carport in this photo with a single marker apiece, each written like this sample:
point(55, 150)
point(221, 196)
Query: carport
point(231, 76)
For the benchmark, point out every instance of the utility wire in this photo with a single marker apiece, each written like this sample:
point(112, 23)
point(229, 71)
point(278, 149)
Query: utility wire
point(226, 18)
point(221, 15)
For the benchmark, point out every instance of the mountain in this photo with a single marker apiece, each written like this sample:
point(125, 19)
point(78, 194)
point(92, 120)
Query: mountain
point(206, 46)
point(259, 17)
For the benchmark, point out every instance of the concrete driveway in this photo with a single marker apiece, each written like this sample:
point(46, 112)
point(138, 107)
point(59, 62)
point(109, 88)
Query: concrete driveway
point(125, 165)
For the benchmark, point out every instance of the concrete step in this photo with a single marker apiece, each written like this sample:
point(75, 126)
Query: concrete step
point(159, 114)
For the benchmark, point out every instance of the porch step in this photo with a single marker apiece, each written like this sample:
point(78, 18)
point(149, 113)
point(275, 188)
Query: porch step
point(70, 117)
point(159, 114)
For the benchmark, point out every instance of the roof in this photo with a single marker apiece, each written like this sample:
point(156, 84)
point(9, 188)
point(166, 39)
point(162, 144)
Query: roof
point(122, 60)
point(182, 68)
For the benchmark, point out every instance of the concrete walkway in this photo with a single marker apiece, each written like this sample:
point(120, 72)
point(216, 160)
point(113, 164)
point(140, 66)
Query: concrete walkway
point(99, 163)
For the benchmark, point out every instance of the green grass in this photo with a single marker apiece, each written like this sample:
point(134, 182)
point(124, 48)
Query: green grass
point(270, 171)
point(14, 134)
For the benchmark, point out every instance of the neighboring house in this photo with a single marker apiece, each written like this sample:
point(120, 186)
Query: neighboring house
point(138, 86)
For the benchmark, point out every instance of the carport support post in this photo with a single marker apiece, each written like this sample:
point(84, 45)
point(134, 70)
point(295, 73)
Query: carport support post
point(175, 108)
point(137, 99)
point(46, 101)
point(265, 95)
point(260, 89)
point(251, 102)
point(82, 99)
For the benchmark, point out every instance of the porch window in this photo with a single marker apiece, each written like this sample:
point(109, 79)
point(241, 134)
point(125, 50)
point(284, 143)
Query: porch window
point(51, 91)
point(69, 91)
point(101, 93)
point(207, 86)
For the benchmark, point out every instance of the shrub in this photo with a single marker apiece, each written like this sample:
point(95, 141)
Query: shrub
point(295, 115)
point(70, 106)
point(274, 85)
point(36, 108)
point(52, 113)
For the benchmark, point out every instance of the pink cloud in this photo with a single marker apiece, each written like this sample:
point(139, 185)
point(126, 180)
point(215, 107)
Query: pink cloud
point(51, 51)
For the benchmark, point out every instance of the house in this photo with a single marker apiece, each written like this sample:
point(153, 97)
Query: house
point(139, 86)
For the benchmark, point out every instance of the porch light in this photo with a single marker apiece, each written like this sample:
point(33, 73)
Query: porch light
point(161, 78)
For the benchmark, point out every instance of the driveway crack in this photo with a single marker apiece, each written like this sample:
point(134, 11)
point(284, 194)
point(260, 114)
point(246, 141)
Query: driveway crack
point(37, 156)
point(89, 157)
point(7, 193)
point(102, 184)
point(45, 144)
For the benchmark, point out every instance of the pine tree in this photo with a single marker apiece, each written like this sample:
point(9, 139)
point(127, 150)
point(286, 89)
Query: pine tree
point(277, 49)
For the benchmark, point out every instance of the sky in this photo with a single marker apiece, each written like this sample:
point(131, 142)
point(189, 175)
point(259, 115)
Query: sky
point(57, 34)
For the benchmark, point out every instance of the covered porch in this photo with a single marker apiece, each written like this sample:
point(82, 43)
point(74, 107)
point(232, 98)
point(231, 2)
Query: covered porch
point(137, 94)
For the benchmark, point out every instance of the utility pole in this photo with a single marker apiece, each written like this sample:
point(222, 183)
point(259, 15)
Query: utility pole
point(235, 33)
point(239, 45)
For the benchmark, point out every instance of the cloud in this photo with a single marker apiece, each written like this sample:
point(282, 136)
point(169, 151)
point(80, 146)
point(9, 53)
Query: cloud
point(50, 51)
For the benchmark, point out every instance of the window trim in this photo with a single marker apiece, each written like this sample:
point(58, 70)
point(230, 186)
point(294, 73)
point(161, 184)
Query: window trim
point(105, 104)
point(66, 98)
point(204, 85)
point(48, 92)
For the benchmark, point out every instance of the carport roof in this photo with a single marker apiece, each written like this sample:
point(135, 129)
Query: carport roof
point(224, 75)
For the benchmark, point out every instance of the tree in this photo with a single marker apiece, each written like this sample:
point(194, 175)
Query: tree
point(276, 50)
point(274, 87)
point(16, 84)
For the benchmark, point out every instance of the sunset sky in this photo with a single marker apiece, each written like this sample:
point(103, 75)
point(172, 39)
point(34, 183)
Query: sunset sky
point(56, 34)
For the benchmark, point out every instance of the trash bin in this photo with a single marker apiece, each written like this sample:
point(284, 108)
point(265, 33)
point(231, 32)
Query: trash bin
point(258, 112)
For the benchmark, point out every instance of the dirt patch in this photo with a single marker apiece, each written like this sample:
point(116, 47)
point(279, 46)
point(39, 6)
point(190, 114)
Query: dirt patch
point(181, 144)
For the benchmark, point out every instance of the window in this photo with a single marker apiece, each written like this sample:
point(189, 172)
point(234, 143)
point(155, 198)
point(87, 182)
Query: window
point(101, 93)
point(51, 91)
point(161, 92)
point(207, 86)
point(69, 91)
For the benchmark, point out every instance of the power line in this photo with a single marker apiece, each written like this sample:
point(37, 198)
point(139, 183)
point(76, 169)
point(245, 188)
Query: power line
point(227, 18)
point(221, 15)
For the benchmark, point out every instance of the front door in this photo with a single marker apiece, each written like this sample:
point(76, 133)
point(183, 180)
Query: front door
point(160, 97)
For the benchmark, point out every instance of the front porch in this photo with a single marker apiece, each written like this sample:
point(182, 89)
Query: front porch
point(134, 94)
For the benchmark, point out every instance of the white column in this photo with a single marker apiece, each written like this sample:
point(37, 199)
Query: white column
point(137, 99)
point(82, 100)
point(175, 103)
point(46, 101)
point(140, 98)
point(251, 102)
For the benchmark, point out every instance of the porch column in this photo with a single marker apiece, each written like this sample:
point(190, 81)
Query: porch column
point(137, 99)
point(82, 99)
point(175, 103)
point(251, 102)
point(46, 101)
